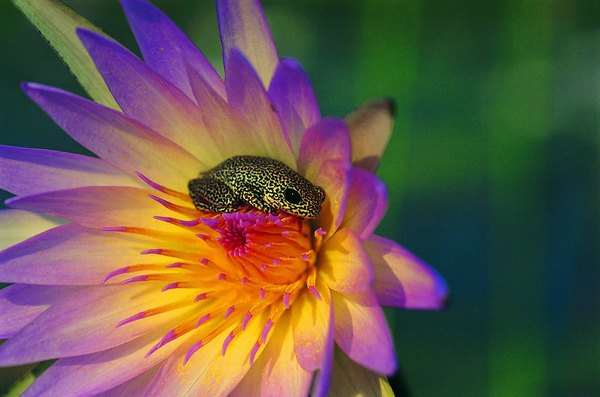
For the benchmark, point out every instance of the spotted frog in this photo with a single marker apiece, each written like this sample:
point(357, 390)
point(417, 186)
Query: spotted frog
point(266, 184)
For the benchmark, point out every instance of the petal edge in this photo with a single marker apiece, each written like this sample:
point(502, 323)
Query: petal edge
point(403, 280)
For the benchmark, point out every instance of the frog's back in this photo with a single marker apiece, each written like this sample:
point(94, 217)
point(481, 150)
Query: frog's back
point(266, 184)
point(258, 171)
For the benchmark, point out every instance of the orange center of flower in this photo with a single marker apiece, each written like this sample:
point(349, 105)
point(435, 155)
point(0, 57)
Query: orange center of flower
point(235, 266)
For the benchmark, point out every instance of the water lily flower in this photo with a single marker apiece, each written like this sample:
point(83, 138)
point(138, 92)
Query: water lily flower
point(117, 275)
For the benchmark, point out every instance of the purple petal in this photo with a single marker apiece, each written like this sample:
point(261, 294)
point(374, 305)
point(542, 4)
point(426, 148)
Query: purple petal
point(95, 373)
point(247, 96)
point(324, 141)
point(242, 24)
point(147, 97)
point(370, 129)
point(295, 101)
point(56, 257)
point(367, 203)
point(95, 206)
point(361, 331)
point(230, 130)
point(132, 388)
point(26, 171)
point(20, 304)
point(119, 140)
point(402, 279)
point(166, 49)
point(85, 323)
point(324, 159)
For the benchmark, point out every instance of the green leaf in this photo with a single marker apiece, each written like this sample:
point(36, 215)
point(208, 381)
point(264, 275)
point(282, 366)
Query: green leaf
point(57, 23)
point(21, 385)
point(28, 378)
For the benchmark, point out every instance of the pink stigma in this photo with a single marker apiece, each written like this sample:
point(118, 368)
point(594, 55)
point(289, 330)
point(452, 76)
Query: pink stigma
point(195, 347)
point(227, 342)
point(202, 320)
point(230, 310)
point(266, 330)
point(247, 318)
point(253, 352)
point(315, 292)
point(286, 299)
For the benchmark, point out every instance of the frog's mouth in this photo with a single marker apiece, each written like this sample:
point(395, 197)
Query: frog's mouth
point(275, 205)
point(290, 209)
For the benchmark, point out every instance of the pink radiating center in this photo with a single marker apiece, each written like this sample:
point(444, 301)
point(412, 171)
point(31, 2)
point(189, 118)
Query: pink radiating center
point(230, 270)
point(233, 238)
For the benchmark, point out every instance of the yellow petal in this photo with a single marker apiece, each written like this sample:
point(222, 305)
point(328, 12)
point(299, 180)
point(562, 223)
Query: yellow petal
point(16, 226)
point(311, 321)
point(344, 265)
point(351, 380)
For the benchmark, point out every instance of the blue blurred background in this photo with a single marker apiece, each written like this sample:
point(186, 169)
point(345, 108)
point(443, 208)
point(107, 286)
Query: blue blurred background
point(493, 169)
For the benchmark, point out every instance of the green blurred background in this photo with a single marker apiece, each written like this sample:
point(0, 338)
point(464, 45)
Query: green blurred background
point(493, 169)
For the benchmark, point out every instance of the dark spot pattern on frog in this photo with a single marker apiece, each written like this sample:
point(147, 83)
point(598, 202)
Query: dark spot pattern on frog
point(266, 184)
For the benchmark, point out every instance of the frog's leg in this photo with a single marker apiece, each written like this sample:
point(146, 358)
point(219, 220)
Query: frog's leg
point(255, 198)
point(212, 195)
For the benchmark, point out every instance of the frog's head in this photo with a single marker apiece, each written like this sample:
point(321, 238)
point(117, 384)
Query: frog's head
point(296, 196)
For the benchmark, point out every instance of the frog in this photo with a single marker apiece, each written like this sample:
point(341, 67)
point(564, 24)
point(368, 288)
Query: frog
point(263, 183)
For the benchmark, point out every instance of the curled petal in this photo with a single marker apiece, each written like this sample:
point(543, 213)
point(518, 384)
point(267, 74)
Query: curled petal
point(361, 331)
point(403, 280)
point(242, 24)
point(366, 203)
point(294, 98)
point(370, 130)
point(25, 171)
point(121, 141)
point(16, 226)
point(166, 49)
point(344, 263)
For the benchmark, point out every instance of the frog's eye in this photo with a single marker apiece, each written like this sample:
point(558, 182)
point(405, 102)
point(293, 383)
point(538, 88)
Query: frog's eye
point(292, 196)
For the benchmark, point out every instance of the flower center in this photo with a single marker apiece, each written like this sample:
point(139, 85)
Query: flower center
point(233, 237)
point(272, 248)
point(226, 268)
